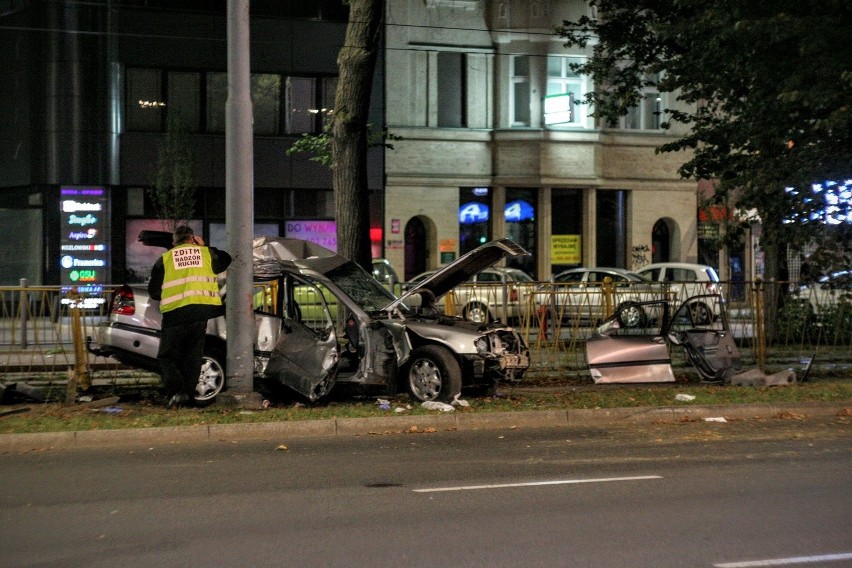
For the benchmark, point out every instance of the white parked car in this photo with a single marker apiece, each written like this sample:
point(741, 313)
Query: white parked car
point(577, 295)
point(686, 280)
point(481, 299)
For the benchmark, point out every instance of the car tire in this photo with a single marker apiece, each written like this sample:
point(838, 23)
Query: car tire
point(632, 315)
point(477, 312)
point(211, 379)
point(433, 374)
point(700, 313)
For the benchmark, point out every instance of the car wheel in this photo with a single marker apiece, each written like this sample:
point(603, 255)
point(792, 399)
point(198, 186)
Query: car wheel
point(700, 313)
point(211, 380)
point(631, 315)
point(477, 312)
point(433, 374)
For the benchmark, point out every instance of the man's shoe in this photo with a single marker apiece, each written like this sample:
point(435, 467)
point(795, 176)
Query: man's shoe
point(177, 401)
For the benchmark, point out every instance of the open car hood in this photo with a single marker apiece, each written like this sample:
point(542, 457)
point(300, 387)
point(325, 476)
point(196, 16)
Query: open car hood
point(463, 269)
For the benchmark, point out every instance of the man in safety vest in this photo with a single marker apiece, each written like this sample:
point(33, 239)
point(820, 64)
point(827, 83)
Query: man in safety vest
point(184, 281)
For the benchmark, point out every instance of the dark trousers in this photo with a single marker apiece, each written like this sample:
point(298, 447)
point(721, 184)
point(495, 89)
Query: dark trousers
point(180, 356)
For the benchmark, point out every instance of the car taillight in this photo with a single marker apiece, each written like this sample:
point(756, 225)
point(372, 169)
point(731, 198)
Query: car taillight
point(123, 303)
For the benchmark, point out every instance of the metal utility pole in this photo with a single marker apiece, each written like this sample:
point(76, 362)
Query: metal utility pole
point(239, 208)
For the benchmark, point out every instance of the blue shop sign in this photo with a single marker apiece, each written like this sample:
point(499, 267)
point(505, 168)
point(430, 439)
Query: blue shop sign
point(517, 211)
point(473, 212)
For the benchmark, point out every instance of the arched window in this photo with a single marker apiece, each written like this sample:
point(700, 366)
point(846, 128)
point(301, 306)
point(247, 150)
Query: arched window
point(661, 242)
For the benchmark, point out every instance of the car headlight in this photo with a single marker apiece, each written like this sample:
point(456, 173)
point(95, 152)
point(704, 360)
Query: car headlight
point(482, 345)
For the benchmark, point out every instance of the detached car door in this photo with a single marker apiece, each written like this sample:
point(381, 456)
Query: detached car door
point(617, 353)
point(304, 352)
point(709, 346)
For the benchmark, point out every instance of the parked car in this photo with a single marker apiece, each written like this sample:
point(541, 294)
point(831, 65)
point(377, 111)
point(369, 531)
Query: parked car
point(828, 291)
point(481, 298)
point(577, 295)
point(374, 340)
point(686, 281)
point(386, 275)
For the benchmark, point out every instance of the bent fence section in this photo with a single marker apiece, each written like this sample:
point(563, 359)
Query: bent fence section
point(37, 325)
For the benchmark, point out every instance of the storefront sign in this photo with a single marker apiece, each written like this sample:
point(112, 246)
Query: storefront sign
point(84, 257)
point(323, 233)
point(517, 211)
point(565, 249)
point(473, 212)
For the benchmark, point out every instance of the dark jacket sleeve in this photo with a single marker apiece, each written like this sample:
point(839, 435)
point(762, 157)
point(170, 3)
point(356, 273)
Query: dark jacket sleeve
point(155, 284)
point(221, 260)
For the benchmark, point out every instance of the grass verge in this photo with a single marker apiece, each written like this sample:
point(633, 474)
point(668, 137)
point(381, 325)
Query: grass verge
point(141, 413)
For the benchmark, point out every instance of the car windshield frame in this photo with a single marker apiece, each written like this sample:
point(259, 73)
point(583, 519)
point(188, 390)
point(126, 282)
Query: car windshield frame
point(360, 286)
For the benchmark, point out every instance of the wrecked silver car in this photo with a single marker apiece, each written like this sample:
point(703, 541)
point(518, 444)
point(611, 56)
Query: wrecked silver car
point(321, 320)
point(619, 353)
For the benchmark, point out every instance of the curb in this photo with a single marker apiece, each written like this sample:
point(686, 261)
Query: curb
point(573, 417)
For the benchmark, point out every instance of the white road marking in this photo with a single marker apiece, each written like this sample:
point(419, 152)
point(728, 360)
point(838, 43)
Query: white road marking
point(535, 483)
point(791, 560)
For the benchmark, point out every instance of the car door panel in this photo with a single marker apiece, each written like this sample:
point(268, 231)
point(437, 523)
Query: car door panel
point(628, 359)
point(304, 359)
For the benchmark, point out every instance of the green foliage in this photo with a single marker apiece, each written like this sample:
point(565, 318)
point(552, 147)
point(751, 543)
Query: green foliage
point(767, 89)
point(319, 145)
point(174, 186)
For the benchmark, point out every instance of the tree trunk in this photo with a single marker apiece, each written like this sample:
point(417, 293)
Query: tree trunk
point(357, 63)
point(775, 275)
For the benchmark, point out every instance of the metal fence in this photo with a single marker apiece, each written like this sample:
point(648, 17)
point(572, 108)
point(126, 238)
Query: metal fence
point(38, 324)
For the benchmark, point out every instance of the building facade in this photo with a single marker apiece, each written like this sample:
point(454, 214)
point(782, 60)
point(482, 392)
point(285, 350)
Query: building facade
point(92, 90)
point(495, 142)
point(493, 138)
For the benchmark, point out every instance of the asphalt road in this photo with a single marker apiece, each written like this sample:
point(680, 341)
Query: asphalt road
point(731, 495)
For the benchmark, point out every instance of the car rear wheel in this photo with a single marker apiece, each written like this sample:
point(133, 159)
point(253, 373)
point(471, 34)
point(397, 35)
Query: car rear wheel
point(477, 312)
point(632, 315)
point(211, 379)
point(433, 374)
point(701, 314)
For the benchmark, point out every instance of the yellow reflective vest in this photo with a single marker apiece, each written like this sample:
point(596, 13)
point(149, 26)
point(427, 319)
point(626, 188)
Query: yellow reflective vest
point(188, 278)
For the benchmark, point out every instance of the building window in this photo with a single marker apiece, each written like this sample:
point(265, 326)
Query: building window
point(144, 107)
point(647, 115)
point(611, 225)
point(301, 116)
point(279, 104)
point(565, 90)
point(520, 91)
point(566, 229)
point(519, 215)
point(184, 92)
point(474, 217)
point(265, 103)
point(329, 91)
point(451, 90)
point(217, 96)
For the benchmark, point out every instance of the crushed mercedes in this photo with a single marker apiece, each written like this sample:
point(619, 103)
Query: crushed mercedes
point(322, 321)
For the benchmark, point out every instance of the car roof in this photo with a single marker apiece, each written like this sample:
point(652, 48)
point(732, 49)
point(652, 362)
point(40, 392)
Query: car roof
point(705, 269)
point(621, 271)
point(676, 265)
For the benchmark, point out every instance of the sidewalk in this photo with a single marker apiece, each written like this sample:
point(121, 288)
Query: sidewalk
point(279, 432)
